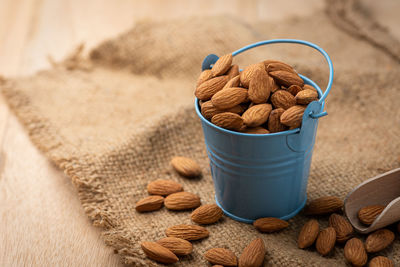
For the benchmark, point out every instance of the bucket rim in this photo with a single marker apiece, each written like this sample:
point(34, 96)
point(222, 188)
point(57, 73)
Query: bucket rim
point(283, 133)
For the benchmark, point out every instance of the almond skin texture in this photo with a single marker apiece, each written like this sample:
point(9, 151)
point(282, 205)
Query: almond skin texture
point(253, 254)
point(259, 87)
point(256, 130)
point(186, 167)
point(163, 187)
point(273, 85)
point(326, 241)
point(221, 256)
point(270, 225)
point(275, 66)
point(381, 261)
point(344, 230)
point(256, 115)
point(222, 65)
point(324, 205)
point(307, 86)
point(208, 110)
point(187, 232)
point(229, 97)
point(305, 97)
point(150, 203)
point(368, 214)
point(208, 88)
point(228, 120)
point(158, 253)
point(178, 246)
point(233, 72)
point(248, 73)
point(207, 214)
point(274, 122)
point(293, 116)
point(355, 253)
point(379, 240)
point(233, 82)
point(182, 201)
point(308, 234)
point(294, 89)
point(283, 99)
point(286, 78)
point(204, 76)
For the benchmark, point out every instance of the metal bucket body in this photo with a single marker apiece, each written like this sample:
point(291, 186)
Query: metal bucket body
point(262, 175)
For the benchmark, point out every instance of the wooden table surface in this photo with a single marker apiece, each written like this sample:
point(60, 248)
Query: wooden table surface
point(41, 220)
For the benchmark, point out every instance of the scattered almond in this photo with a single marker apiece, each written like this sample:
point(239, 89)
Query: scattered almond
point(283, 99)
point(305, 97)
point(150, 203)
point(326, 241)
point(248, 73)
point(308, 234)
point(163, 187)
point(187, 232)
point(274, 122)
point(186, 166)
point(182, 201)
point(208, 88)
point(259, 87)
point(368, 214)
point(381, 261)
point(293, 116)
point(158, 253)
point(221, 256)
point(379, 240)
point(228, 120)
point(355, 253)
point(229, 97)
point(256, 115)
point(324, 205)
point(207, 214)
point(270, 224)
point(222, 65)
point(344, 230)
point(178, 246)
point(286, 78)
point(253, 255)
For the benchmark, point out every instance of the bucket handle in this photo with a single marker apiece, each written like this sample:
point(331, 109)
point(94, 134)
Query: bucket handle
point(211, 59)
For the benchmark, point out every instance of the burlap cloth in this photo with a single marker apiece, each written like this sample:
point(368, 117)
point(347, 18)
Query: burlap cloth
point(114, 122)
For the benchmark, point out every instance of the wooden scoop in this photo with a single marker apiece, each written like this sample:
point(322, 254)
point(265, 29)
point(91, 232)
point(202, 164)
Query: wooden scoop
point(384, 190)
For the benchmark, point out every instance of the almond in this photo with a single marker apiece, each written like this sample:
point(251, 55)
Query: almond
point(381, 261)
point(256, 130)
point(326, 241)
point(178, 246)
point(344, 230)
point(186, 167)
point(308, 234)
point(307, 86)
point(163, 187)
point(208, 110)
point(233, 82)
point(150, 203)
point(229, 97)
point(355, 253)
point(158, 253)
point(221, 256)
point(270, 224)
point(222, 65)
point(273, 85)
point(274, 123)
point(256, 115)
point(368, 214)
point(233, 72)
point(248, 73)
point(187, 232)
point(294, 89)
point(208, 88)
point(204, 76)
point(306, 96)
point(286, 78)
point(182, 201)
point(253, 255)
point(259, 87)
point(283, 99)
point(379, 240)
point(324, 205)
point(293, 116)
point(228, 120)
point(276, 66)
point(207, 214)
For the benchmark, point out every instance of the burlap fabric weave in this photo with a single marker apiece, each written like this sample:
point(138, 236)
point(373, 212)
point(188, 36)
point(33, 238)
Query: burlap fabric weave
point(113, 122)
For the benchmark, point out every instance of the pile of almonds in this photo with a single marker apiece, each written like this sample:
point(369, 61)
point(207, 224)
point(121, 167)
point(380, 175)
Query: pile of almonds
point(266, 97)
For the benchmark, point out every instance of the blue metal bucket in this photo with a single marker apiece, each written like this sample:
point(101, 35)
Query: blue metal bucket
point(263, 175)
